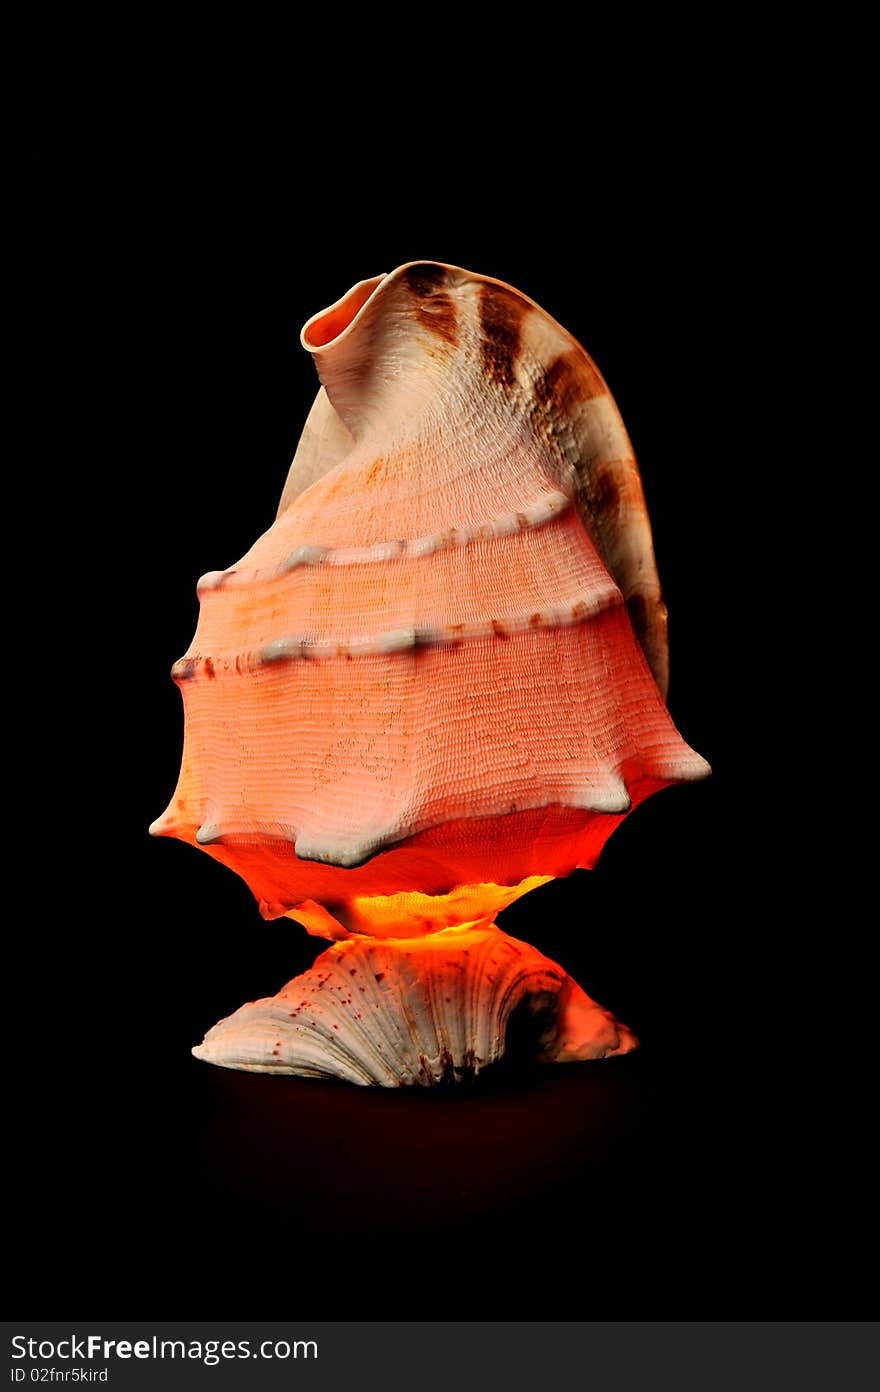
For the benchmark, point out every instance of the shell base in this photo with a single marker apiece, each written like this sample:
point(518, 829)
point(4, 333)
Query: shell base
point(418, 1012)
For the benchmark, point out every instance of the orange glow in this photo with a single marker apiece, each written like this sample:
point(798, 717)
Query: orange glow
point(519, 851)
point(411, 914)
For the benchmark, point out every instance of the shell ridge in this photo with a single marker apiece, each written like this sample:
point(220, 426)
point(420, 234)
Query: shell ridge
point(289, 648)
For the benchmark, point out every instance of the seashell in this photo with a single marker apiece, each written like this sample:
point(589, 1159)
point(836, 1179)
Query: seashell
point(342, 1018)
point(438, 679)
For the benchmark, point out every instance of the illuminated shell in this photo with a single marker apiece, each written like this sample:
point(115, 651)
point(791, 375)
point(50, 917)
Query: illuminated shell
point(415, 1012)
point(439, 678)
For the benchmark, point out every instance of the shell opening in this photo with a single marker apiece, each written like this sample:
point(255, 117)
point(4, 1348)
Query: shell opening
point(330, 324)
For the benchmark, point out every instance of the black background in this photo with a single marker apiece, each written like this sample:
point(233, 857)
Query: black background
point(165, 283)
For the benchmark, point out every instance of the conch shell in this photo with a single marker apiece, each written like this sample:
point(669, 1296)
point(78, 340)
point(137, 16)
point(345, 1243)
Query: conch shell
point(438, 680)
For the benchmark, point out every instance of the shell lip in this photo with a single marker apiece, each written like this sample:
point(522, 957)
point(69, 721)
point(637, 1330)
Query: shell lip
point(331, 326)
point(351, 307)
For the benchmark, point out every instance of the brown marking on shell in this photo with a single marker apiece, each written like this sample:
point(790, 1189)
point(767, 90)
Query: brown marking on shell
point(209, 669)
point(425, 279)
point(375, 470)
point(639, 614)
point(501, 316)
point(570, 378)
point(603, 493)
point(498, 629)
point(434, 308)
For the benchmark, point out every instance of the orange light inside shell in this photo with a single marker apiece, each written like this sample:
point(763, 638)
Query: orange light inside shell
point(411, 913)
